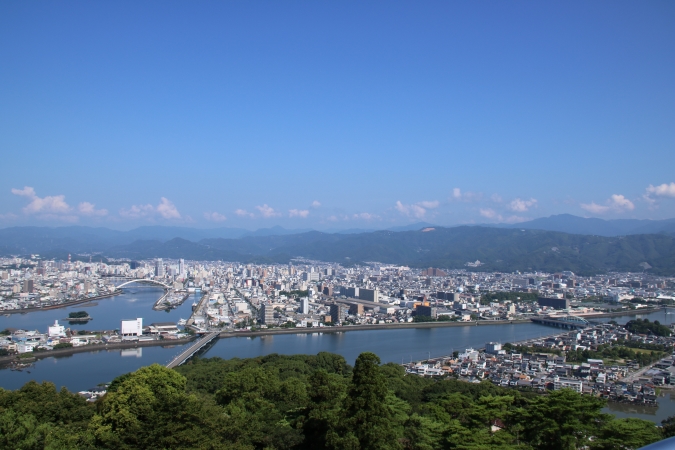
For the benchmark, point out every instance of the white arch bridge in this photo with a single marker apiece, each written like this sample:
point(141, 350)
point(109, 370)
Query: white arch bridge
point(143, 281)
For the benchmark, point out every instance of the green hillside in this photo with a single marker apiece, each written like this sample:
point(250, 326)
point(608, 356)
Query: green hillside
point(308, 402)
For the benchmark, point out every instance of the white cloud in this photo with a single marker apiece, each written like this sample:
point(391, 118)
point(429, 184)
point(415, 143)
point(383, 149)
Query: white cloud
point(662, 190)
point(303, 213)
point(490, 213)
point(594, 208)
point(267, 211)
point(52, 205)
point(27, 191)
point(316, 204)
point(515, 219)
point(429, 204)
point(8, 217)
point(89, 209)
point(417, 210)
point(243, 213)
point(616, 203)
point(214, 217)
point(166, 209)
point(520, 205)
point(138, 211)
point(621, 203)
point(410, 210)
point(458, 195)
point(496, 198)
point(365, 216)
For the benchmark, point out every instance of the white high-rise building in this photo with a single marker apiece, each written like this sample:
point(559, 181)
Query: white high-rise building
point(181, 267)
point(304, 305)
point(159, 267)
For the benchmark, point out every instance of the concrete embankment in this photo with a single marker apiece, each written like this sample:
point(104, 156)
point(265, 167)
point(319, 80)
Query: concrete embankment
point(60, 305)
point(6, 360)
point(632, 312)
point(391, 326)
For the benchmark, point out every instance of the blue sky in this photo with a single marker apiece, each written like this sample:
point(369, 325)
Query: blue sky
point(334, 114)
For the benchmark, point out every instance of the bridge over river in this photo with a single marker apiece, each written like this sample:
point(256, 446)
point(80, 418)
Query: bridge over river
point(192, 349)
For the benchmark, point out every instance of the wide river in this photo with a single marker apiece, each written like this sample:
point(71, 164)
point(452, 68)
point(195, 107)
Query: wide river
point(85, 370)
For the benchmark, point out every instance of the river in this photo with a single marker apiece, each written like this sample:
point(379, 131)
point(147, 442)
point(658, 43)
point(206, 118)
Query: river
point(85, 370)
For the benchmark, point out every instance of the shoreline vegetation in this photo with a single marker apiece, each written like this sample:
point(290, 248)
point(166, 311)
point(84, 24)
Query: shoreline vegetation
point(307, 402)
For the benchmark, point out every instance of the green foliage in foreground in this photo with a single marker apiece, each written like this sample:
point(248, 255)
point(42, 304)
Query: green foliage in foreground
point(308, 402)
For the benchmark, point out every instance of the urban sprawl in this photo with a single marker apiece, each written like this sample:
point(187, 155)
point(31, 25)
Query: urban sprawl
point(306, 294)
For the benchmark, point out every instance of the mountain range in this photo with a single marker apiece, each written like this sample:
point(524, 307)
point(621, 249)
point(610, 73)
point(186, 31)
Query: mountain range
point(497, 248)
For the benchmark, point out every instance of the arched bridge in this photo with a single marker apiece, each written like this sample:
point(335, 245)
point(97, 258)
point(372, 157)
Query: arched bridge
point(143, 280)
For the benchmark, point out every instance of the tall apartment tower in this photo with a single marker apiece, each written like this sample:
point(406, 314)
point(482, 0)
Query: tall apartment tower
point(304, 305)
point(28, 286)
point(181, 267)
point(267, 314)
point(159, 267)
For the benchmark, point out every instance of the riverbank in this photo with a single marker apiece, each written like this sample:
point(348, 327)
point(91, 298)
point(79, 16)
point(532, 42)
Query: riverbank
point(385, 326)
point(631, 312)
point(7, 360)
point(60, 305)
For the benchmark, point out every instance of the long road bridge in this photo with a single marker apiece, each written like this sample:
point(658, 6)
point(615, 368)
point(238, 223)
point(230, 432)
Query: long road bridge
point(192, 349)
point(568, 322)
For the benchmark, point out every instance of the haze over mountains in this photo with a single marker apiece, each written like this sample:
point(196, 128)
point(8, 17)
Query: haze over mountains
point(556, 243)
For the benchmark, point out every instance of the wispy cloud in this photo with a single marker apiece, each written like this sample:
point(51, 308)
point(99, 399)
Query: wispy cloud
point(489, 213)
point(214, 217)
point(244, 213)
point(138, 211)
point(89, 209)
point(165, 209)
point(493, 215)
point(469, 197)
point(617, 203)
point(267, 211)
point(519, 205)
point(316, 204)
point(418, 210)
point(365, 216)
point(429, 204)
point(302, 213)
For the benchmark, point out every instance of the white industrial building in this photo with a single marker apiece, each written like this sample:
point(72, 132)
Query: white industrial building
point(132, 327)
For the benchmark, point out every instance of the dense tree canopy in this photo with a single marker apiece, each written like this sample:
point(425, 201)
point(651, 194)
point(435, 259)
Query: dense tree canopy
point(644, 326)
point(308, 402)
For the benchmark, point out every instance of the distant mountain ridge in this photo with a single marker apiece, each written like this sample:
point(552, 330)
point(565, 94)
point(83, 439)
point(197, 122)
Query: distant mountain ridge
point(523, 246)
point(567, 223)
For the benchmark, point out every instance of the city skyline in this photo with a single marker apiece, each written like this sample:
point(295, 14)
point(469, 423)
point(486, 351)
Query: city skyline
point(335, 116)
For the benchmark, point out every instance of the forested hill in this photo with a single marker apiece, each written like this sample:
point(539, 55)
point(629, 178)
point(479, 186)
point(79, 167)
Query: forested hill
point(496, 249)
point(310, 402)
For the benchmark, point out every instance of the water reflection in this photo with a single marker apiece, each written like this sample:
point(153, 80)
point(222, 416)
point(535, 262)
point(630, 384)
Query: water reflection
point(664, 409)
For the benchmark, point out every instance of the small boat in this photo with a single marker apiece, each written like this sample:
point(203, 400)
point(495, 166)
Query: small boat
point(182, 322)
